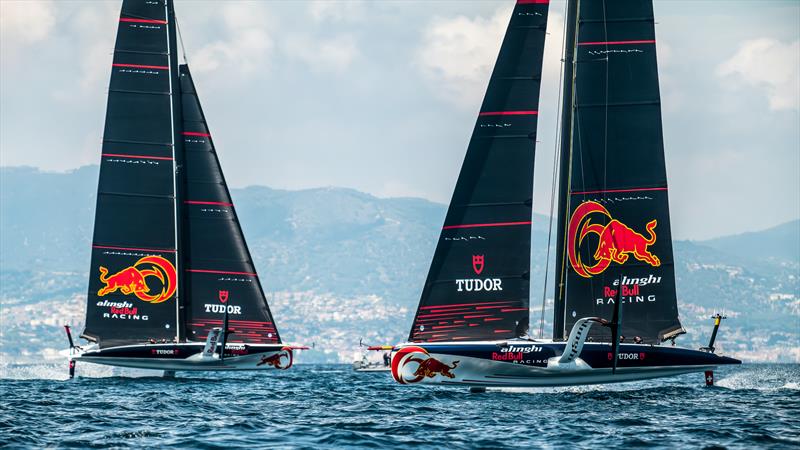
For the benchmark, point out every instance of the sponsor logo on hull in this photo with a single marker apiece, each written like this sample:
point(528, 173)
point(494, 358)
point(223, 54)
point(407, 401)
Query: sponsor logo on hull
point(423, 365)
point(616, 242)
point(280, 360)
point(134, 280)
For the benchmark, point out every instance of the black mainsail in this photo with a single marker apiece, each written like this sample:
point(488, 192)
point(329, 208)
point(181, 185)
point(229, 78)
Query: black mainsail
point(616, 240)
point(478, 283)
point(168, 254)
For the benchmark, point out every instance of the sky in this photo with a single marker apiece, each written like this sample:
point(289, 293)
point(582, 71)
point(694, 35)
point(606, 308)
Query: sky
point(382, 96)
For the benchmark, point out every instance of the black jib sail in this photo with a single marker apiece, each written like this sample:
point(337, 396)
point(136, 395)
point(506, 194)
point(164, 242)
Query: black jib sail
point(617, 244)
point(168, 255)
point(219, 272)
point(133, 276)
point(478, 284)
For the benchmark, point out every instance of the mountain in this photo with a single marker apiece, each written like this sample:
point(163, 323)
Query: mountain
point(339, 265)
point(780, 243)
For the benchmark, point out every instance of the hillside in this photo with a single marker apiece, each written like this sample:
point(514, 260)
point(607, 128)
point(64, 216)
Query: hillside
point(340, 264)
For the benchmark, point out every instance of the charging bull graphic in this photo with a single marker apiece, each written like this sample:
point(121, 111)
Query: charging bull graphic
point(133, 280)
point(616, 241)
point(274, 360)
point(427, 367)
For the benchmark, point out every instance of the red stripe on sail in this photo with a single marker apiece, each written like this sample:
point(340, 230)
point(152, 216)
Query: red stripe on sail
point(608, 191)
point(509, 113)
point(221, 272)
point(478, 225)
point(456, 305)
point(502, 331)
point(195, 133)
point(134, 249)
point(198, 202)
point(533, 2)
point(649, 41)
point(131, 19)
point(120, 155)
point(141, 66)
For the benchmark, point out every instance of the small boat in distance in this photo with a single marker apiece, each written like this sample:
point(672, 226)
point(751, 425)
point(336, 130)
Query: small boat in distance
point(614, 252)
point(172, 285)
point(364, 363)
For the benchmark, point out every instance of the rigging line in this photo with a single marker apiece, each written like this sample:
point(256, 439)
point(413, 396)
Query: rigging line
point(180, 39)
point(573, 119)
point(553, 187)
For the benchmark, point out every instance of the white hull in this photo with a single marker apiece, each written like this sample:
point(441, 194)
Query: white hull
point(537, 364)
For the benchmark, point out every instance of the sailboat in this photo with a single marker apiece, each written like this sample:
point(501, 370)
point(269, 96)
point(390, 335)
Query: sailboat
point(172, 285)
point(615, 299)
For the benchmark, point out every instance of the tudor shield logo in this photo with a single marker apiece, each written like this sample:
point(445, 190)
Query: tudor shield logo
point(477, 264)
point(223, 296)
point(616, 242)
point(478, 284)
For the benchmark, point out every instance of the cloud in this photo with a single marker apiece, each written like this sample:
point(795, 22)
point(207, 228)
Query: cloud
point(246, 46)
point(335, 54)
point(26, 22)
point(457, 54)
point(337, 11)
point(770, 65)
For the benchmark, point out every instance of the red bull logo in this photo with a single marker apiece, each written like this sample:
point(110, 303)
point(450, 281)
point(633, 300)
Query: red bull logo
point(426, 366)
point(276, 360)
point(616, 241)
point(133, 280)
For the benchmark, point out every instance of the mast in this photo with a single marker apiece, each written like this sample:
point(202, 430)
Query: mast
point(565, 148)
point(178, 157)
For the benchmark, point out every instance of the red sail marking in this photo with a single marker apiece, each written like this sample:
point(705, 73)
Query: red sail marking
point(222, 272)
point(448, 310)
point(492, 319)
point(461, 304)
point(198, 202)
point(479, 225)
point(194, 133)
point(502, 331)
point(509, 113)
point(120, 155)
point(618, 190)
point(441, 327)
point(649, 41)
point(456, 338)
point(140, 66)
point(474, 324)
point(130, 19)
point(493, 307)
point(435, 317)
point(153, 250)
point(533, 2)
point(477, 316)
point(513, 309)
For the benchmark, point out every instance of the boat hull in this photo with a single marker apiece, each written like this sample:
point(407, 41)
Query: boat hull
point(536, 364)
point(189, 356)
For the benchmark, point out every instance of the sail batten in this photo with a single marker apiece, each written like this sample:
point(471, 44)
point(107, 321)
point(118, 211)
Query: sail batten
point(481, 267)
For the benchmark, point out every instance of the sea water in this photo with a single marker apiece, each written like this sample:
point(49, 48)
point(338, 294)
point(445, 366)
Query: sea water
point(331, 406)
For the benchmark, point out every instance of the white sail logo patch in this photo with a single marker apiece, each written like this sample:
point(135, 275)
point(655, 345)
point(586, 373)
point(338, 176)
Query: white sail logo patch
point(479, 284)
